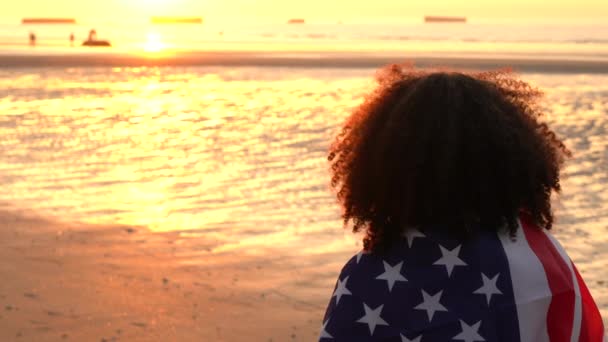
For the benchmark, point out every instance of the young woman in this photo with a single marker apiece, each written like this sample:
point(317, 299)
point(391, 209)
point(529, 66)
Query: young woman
point(450, 175)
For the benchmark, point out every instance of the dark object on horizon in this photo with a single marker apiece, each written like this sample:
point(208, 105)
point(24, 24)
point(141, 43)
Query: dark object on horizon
point(48, 21)
point(92, 40)
point(296, 21)
point(176, 20)
point(439, 19)
point(72, 39)
point(32, 39)
point(96, 43)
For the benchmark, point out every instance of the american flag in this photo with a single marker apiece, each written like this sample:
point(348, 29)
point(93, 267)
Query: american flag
point(491, 288)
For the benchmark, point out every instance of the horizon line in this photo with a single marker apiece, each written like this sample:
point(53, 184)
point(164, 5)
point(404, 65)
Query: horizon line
point(319, 20)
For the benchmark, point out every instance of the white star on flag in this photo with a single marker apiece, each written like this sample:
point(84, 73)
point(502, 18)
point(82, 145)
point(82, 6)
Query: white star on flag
point(391, 274)
point(489, 287)
point(372, 317)
point(431, 304)
point(450, 259)
point(405, 339)
point(411, 234)
point(341, 290)
point(469, 333)
point(324, 333)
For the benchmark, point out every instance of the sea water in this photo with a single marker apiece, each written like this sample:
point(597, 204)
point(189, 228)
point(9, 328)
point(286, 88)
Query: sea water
point(229, 152)
point(577, 40)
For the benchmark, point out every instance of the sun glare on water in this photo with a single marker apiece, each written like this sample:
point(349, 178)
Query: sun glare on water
point(154, 43)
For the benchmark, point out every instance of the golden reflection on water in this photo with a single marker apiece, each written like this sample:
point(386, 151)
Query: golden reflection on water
point(229, 152)
point(235, 154)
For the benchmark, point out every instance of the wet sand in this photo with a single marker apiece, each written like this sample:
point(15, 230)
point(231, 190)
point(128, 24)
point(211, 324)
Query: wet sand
point(92, 283)
point(563, 65)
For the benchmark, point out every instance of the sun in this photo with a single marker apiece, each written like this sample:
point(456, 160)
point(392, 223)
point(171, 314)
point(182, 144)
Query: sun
point(154, 43)
point(148, 8)
point(161, 4)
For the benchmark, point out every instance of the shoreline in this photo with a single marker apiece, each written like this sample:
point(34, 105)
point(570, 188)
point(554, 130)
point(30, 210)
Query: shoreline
point(301, 60)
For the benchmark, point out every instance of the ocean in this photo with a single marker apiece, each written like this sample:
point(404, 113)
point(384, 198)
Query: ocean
point(485, 38)
point(237, 152)
point(237, 155)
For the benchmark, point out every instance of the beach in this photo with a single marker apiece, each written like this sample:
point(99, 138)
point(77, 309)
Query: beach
point(192, 202)
point(94, 283)
point(311, 59)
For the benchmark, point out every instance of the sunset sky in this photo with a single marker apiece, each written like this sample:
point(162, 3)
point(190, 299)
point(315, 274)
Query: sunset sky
point(313, 10)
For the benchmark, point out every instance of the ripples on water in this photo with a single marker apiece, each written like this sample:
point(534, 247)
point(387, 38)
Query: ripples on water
point(235, 155)
point(231, 153)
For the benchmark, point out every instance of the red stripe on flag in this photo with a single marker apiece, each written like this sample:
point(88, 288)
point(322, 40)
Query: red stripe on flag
point(560, 317)
point(592, 326)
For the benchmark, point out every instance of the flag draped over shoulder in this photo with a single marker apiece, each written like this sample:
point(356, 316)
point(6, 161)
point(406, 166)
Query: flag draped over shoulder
point(490, 288)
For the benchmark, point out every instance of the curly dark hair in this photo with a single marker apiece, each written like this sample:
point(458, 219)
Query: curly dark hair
point(462, 151)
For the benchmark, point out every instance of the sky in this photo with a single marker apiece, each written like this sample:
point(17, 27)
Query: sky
point(312, 10)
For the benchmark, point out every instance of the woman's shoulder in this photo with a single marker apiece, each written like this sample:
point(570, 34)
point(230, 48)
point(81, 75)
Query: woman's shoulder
point(430, 284)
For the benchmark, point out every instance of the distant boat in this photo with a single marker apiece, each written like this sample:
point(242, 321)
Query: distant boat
point(296, 21)
point(48, 21)
point(96, 43)
point(176, 20)
point(439, 19)
point(93, 41)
